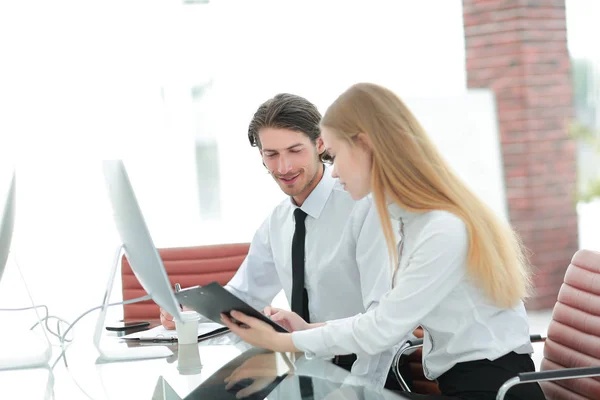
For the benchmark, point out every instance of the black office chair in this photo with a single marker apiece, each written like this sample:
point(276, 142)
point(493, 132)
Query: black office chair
point(411, 353)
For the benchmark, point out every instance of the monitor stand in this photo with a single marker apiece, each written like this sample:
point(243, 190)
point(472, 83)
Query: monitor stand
point(120, 352)
point(23, 349)
point(20, 348)
point(164, 391)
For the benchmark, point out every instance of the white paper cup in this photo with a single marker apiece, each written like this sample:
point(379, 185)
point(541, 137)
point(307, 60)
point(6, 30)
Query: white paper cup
point(187, 328)
point(188, 359)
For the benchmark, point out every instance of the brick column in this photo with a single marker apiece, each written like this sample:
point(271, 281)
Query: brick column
point(518, 49)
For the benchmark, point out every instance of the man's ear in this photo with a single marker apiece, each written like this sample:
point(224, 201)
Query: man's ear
point(263, 159)
point(320, 145)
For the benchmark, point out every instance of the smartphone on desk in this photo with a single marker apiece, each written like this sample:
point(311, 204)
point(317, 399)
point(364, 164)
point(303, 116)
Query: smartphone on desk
point(125, 326)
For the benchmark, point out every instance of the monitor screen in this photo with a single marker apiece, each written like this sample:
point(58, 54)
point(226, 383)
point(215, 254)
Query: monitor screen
point(137, 243)
point(7, 222)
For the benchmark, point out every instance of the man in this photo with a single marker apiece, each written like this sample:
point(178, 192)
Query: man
point(326, 251)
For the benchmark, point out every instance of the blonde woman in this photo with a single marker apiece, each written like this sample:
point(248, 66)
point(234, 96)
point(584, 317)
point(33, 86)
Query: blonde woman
point(460, 270)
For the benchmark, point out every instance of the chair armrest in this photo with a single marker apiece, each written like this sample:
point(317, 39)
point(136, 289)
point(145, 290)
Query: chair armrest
point(553, 375)
point(415, 342)
point(537, 338)
point(558, 374)
point(408, 346)
point(418, 342)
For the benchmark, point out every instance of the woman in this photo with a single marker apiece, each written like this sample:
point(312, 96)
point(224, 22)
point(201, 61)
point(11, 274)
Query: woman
point(460, 271)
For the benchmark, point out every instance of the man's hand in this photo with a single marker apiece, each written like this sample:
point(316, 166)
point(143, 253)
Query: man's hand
point(166, 319)
point(289, 320)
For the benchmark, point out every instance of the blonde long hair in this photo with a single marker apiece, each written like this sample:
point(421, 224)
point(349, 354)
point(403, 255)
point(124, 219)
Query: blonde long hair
point(409, 170)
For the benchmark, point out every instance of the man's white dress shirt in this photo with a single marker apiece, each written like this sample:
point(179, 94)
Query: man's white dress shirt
point(432, 289)
point(347, 267)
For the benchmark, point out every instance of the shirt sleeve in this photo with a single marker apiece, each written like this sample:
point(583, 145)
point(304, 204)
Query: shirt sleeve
point(256, 281)
point(435, 267)
point(375, 272)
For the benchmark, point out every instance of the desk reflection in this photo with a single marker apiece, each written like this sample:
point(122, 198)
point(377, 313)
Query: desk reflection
point(259, 374)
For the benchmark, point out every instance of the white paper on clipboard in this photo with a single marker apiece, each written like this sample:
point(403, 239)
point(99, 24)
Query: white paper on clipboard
point(159, 333)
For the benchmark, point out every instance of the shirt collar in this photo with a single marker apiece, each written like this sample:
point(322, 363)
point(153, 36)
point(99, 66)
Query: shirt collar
point(315, 202)
point(397, 212)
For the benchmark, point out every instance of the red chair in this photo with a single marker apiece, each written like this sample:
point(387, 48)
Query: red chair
point(572, 349)
point(189, 266)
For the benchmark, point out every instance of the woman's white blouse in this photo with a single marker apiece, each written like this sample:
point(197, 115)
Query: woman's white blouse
point(432, 289)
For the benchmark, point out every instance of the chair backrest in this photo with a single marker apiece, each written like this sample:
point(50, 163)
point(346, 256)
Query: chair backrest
point(188, 266)
point(574, 332)
point(420, 384)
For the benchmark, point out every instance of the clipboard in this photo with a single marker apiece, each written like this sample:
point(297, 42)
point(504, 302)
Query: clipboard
point(213, 299)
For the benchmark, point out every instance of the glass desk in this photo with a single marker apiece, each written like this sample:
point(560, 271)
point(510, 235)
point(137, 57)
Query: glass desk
point(222, 367)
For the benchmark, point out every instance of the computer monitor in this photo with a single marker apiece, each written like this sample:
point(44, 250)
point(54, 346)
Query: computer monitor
point(137, 243)
point(143, 257)
point(6, 225)
point(19, 349)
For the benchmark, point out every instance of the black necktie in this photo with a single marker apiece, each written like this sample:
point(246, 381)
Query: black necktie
point(299, 294)
point(307, 391)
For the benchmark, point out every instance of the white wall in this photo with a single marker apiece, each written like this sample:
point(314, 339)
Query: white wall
point(465, 129)
point(81, 82)
point(64, 238)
